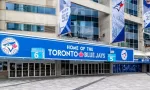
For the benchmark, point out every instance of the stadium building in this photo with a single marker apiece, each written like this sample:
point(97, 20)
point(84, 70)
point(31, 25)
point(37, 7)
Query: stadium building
point(31, 44)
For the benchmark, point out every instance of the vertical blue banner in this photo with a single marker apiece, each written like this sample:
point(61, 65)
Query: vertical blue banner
point(146, 13)
point(118, 31)
point(64, 19)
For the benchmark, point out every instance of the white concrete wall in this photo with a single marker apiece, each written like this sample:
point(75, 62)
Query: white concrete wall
point(133, 18)
point(105, 28)
point(38, 34)
point(93, 5)
point(30, 18)
point(42, 19)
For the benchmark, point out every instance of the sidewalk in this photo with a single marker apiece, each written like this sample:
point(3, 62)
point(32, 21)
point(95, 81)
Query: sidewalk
point(115, 82)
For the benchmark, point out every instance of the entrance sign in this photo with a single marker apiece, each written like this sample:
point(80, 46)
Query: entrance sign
point(112, 57)
point(51, 49)
point(123, 55)
point(38, 53)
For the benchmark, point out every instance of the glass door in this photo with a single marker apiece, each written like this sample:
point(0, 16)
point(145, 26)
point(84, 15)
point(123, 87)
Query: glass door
point(37, 69)
point(12, 69)
point(75, 70)
point(48, 70)
point(25, 69)
point(42, 69)
point(31, 69)
point(87, 69)
point(79, 69)
point(53, 69)
point(18, 69)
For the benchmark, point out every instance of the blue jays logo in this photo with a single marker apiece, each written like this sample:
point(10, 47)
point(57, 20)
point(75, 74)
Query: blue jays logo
point(9, 46)
point(119, 6)
point(124, 54)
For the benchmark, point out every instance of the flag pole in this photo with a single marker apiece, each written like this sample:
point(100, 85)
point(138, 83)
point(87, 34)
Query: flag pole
point(58, 16)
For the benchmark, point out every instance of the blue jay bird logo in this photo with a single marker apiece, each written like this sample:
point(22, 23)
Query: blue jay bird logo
point(124, 54)
point(119, 6)
point(9, 46)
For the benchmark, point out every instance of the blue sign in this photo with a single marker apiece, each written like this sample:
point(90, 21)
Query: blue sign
point(118, 31)
point(112, 57)
point(123, 55)
point(18, 46)
point(64, 19)
point(142, 60)
point(38, 53)
point(146, 13)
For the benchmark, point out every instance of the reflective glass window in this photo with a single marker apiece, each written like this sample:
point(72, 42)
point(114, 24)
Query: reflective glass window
point(25, 27)
point(131, 7)
point(131, 34)
point(84, 22)
point(30, 8)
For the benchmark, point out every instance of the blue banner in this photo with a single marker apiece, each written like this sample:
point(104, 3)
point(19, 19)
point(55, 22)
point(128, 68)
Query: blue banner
point(123, 55)
point(142, 60)
point(17, 46)
point(112, 57)
point(65, 19)
point(146, 13)
point(118, 30)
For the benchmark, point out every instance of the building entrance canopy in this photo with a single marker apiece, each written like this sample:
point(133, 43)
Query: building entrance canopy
point(20, 46)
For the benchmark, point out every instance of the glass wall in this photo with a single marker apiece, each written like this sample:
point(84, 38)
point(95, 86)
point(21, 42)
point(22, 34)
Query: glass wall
point(30, 8)
point(147, 39)
point(84, 68)
point(3, 66)
point(84, 22)
point(96, 1)
point(131, 7)
point(131, 34)
point(25, 27)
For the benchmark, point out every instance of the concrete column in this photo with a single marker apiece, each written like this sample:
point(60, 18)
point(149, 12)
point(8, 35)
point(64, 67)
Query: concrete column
point(105, 2)
point(2, 15)
point(58, 68)
point(140, 27)
point(111, 68)
point(57, 19)
point(144, 68)
point(140, 38)
point(2, 5)
point(105, 28)
point(2, 26)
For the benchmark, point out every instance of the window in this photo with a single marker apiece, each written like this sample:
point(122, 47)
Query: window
point(29, 27)
point(25, 27)
point(3, 66)
point(84, 22)
point(131, 7)
point(30, 8)
point(131, 34)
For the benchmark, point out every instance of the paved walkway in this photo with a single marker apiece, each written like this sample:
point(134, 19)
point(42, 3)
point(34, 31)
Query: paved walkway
point(117, 82)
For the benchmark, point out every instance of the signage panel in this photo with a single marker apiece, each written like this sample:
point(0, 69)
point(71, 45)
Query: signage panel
point(38, 53)
point(19, 46)
point(112, 57)
point(123, 55)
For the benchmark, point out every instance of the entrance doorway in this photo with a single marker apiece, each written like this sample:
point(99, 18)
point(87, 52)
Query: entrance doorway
point(84, 68)
point(148, 68)
point(17, 70)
